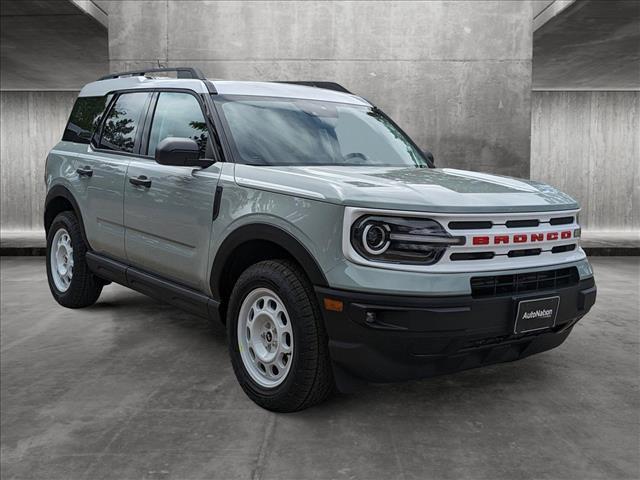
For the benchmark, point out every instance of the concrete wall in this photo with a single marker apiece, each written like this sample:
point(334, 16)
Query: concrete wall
point(587, 144)
point(587, 45)
point(31, 123)
point(455, 75)
point(50, 45)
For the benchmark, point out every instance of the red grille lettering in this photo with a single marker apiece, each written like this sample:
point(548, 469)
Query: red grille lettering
point(522, 238)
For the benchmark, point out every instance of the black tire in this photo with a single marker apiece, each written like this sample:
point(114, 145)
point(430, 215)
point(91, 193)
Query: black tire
point(84, 288)
point(310, 378)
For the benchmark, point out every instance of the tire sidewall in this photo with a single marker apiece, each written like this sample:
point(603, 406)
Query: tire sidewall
point(242, 288)
point(77, 243)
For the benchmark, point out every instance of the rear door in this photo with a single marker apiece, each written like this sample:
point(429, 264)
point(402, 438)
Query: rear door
point(102, 172)
point(168, 217)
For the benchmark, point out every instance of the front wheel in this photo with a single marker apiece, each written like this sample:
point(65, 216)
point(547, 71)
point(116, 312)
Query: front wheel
point(277, 340)
point(70, 280)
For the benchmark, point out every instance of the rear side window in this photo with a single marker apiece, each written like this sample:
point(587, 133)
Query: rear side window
point(85, 118)
point(122, 122)
point(178, 115)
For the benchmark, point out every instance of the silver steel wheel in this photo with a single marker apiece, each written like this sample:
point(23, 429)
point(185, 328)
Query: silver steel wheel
point(265, 337)
point(61, 260)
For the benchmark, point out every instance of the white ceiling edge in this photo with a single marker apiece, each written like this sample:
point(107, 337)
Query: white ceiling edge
point(93, 10)
point(554, 8)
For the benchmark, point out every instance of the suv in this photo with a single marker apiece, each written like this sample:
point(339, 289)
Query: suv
point(313, 227)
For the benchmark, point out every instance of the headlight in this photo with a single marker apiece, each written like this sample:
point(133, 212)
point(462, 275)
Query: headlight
point(401, 240)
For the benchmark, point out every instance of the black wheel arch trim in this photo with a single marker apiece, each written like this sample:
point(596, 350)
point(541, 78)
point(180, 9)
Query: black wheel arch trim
point(60, 191)
point(270, 233)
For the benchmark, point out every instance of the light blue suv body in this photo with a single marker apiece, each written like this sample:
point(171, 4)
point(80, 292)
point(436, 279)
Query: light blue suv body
point(415, 270)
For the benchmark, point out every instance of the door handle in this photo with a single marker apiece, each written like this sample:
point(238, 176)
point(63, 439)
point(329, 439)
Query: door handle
point(141, 181)
point(85, 171)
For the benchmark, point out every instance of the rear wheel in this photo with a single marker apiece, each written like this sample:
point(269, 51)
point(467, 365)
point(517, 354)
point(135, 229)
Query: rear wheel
point(70, 280)
point(277, 340)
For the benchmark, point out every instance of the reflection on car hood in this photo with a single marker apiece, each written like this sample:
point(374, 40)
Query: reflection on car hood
point(420, 189)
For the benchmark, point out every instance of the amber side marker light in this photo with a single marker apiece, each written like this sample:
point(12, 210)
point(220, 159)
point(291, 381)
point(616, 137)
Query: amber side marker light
point(333, 305)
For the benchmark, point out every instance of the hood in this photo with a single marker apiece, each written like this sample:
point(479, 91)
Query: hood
point(415, 189)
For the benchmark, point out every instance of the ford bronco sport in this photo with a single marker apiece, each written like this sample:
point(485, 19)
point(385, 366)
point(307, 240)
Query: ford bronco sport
point(304, 219)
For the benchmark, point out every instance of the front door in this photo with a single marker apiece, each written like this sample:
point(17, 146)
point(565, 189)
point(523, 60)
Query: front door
point(168, 210)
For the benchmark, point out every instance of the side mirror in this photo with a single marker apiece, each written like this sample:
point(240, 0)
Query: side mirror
point(180, 152)
point(429, 156)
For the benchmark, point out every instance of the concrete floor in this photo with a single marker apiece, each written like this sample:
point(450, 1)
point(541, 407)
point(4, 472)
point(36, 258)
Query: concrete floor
point(133, 389)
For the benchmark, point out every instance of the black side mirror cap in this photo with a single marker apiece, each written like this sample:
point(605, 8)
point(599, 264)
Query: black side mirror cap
point(429, 156)
point(180, 152)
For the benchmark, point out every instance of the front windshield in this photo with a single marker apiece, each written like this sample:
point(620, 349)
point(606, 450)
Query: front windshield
point(287, 131)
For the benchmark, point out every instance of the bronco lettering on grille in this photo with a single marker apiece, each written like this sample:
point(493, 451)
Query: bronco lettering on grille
point(522, 238)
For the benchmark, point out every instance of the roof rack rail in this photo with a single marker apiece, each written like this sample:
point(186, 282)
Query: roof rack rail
point(326, 85)
point(183, 72)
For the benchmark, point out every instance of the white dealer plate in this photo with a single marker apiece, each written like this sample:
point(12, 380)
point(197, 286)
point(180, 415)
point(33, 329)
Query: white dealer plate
point(536, 314)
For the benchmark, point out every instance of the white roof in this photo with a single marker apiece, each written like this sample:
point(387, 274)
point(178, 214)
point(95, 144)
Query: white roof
point(223, 87)
point(287, 90)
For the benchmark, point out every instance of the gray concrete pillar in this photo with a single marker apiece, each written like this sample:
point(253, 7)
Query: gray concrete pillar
point(455, 75)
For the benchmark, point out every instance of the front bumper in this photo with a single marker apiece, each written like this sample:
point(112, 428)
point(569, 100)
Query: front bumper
point(381, 338)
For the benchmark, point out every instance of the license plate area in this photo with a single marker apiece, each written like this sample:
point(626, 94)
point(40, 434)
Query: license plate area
point(536, 314)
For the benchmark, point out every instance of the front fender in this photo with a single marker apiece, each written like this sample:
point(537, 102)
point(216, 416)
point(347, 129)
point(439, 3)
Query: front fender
point(271, 233)
point(311, 231)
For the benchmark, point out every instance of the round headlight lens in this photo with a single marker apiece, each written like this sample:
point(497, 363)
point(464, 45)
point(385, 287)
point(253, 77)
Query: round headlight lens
point(375, 238)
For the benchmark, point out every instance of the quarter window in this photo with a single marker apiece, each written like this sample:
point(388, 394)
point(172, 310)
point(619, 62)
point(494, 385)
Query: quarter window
point(85, 118)
point(178, 115)
point(122, 122)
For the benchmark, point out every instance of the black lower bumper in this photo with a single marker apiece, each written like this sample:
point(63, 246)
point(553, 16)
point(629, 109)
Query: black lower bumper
point(391, 338)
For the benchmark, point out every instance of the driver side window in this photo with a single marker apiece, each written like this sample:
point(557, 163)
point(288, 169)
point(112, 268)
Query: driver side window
point(178, 115)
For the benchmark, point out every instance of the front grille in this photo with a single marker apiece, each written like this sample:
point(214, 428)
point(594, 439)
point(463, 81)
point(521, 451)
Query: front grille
point(561, 221)
point(523, 282)
point(470, 225)
point(563, 248)
point(522, 223)
point(455, 257)
point(524, 253)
